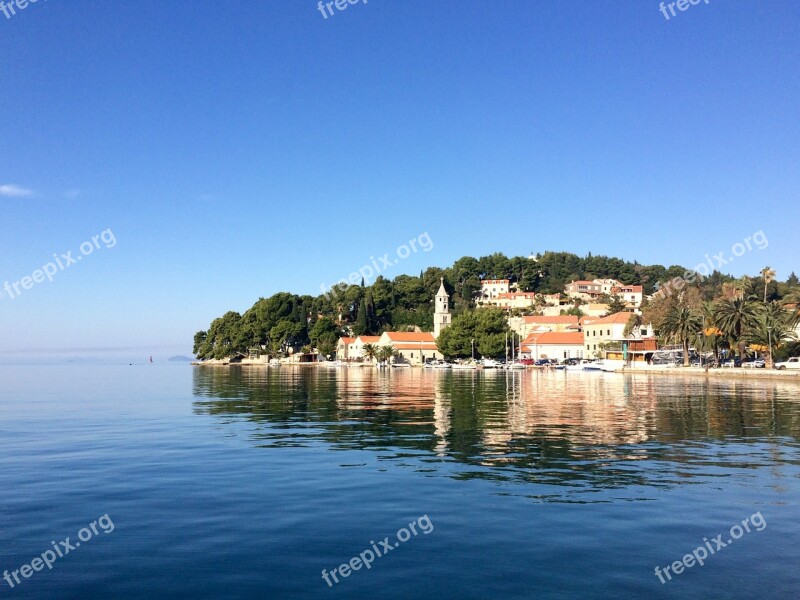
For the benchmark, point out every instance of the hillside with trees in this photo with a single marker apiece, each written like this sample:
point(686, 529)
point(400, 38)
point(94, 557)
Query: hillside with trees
point(288, 321)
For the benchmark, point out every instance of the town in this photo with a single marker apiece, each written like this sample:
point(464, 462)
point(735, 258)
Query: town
point(591, 324)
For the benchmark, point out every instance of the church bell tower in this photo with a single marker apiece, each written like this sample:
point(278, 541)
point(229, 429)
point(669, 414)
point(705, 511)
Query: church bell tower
point(441, 314)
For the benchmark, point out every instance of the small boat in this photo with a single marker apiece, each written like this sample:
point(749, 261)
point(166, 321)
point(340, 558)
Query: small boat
point(401, 366)
point(584, 365)
point(489, 363)
point(274, 363)
point(465, 366)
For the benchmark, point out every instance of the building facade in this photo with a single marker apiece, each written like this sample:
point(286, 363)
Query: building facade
point(491, 288)
point(553, 344)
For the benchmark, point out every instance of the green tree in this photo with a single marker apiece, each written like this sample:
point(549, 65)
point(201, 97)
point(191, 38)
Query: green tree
point(323, 326)
point(635, 322)
point(735, 317)
point(326, 344)
point(486, 326)
point(386, 354)
point(615, 305)
point(199, 343)
point(767, 274)
point(361, 327)
point(370, 352)
point(681, 325)
point(773, 328)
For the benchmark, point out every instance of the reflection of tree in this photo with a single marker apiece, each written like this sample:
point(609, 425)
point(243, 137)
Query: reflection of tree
point(585, 431)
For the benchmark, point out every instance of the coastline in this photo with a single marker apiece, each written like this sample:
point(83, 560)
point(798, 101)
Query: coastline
point(738, 374)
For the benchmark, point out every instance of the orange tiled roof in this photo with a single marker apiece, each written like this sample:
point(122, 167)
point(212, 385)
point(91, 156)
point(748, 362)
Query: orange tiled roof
point(620, 317)
point(369, 339)
point(410, 336)
point(347, 340)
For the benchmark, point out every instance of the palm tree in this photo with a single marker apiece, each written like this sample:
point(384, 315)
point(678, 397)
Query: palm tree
point(768, 274)
point(386, 353)
point(744, 285)
point(681, 324)
point(775, 326)
point(370, 351)
point(735, 318)
point(792, 304)
point(710, 335)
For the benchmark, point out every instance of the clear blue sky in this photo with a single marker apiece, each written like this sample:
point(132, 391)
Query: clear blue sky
point(237, 149)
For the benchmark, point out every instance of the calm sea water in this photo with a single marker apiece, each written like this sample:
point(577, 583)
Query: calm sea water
point(248, 482)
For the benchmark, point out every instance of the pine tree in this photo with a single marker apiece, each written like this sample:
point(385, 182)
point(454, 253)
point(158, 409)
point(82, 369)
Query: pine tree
point(793, 281)
point(360, 327)
point(304, 325)
point(372, 325)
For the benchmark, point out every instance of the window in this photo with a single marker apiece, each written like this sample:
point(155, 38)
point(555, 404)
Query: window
point(608, 333)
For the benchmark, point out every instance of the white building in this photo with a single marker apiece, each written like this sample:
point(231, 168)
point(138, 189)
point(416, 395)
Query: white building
point(588, 291)
point(411, 347)
point(553, 344)
point(524, 326)
point(604, 330)
point(356, 348)
point(441, 312)
point(512, 300)
point(491, 288)
point(632, 295)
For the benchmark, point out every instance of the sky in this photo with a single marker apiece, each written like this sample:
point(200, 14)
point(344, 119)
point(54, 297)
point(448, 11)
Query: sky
point(199, 155)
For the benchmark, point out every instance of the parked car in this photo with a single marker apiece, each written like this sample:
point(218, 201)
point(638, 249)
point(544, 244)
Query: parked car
point(730, 364)
point(792, 363)
point(754, 364)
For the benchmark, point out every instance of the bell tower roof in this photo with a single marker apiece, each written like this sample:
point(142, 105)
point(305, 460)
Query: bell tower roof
point(442, 291)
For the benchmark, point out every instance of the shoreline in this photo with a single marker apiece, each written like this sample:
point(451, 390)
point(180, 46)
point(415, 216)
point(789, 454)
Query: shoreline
point(746, 374)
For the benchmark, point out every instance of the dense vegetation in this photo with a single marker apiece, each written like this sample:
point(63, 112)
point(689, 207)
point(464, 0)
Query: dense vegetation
point(286, 320)
point(755, 314)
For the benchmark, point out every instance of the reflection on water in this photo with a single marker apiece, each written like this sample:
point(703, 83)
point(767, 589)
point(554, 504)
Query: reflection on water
point(581, 432)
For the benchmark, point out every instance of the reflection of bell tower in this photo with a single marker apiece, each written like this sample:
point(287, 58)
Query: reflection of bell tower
point(441, 314)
